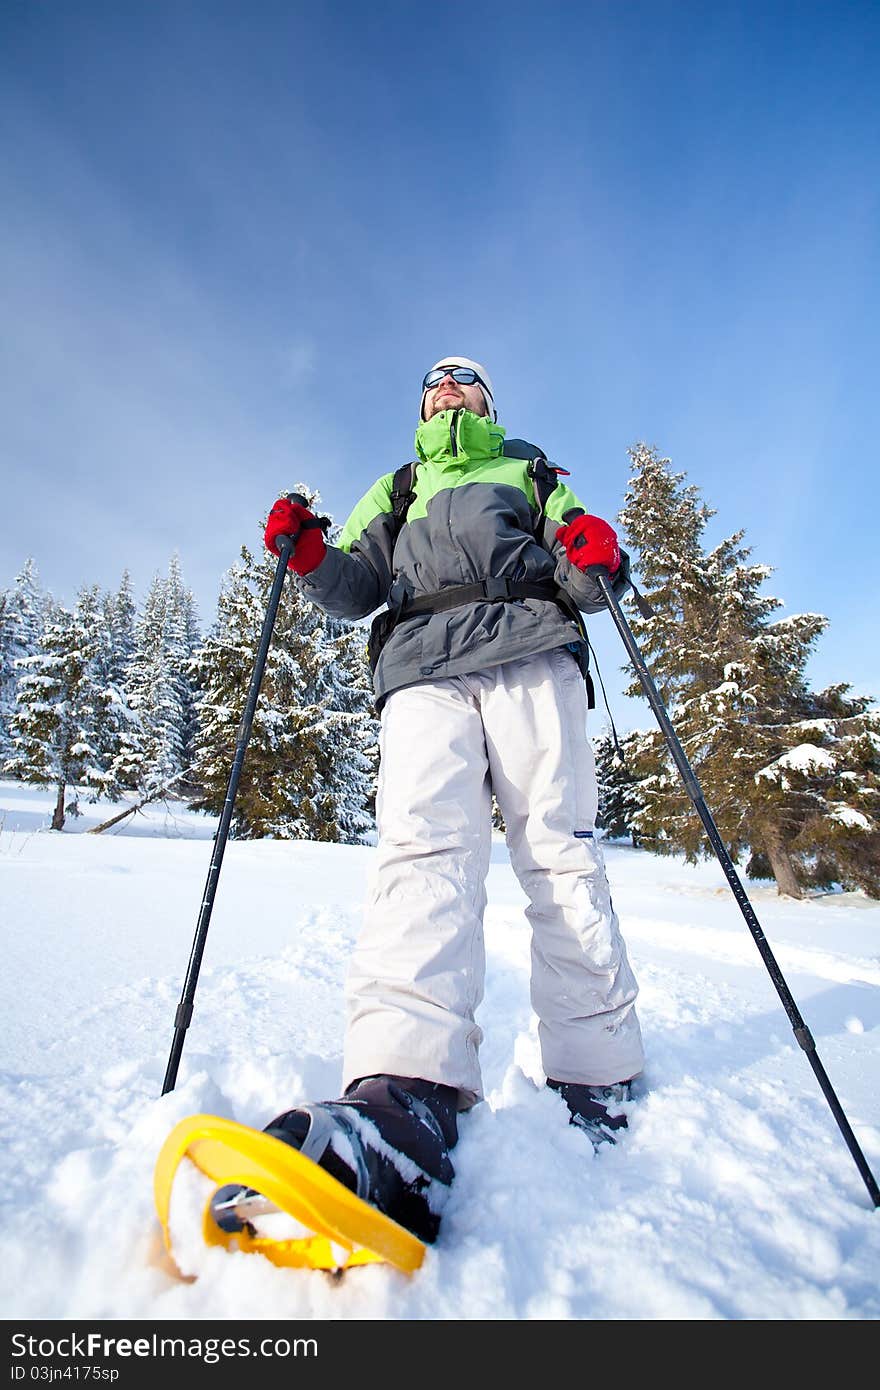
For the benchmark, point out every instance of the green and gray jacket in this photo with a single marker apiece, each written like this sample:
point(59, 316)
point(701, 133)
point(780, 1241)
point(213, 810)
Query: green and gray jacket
point(473, 518)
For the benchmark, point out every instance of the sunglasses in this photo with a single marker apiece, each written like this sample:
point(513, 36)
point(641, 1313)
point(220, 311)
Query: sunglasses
point(465, 376)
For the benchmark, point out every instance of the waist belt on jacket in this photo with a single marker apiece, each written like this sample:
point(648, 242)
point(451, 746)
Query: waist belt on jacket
point(485, 591)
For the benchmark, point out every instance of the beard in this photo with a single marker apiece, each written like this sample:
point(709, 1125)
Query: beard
point(454, 401)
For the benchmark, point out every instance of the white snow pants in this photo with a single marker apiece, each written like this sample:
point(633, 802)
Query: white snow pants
point(416, 976)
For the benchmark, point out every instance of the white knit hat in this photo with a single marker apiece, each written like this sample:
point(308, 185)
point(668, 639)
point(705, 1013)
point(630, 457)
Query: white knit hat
point(485, 382)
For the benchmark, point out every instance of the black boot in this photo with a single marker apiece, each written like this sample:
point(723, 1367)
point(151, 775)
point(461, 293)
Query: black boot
point(387, 1140)
point(588, 1108)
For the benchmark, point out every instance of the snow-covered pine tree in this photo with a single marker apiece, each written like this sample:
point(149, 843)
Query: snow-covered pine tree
point(279, 762)
point(664, 519)
point(147, 694)
point(23, 608)
point(341, 808)
point(617, 781)
point(120, 612)
point(183, 637)
point(160, 686)
point(61, 724)
point(833, 779)
point(310, 765)
point(733, 680)
point(347, 733)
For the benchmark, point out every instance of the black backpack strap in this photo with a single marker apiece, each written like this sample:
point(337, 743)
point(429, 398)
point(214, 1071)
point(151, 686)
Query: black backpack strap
point(544, 475)
point(402, 494)
point(522, 449)
point(402, 498)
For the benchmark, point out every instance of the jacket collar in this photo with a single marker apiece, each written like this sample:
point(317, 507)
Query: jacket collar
point(455, 437)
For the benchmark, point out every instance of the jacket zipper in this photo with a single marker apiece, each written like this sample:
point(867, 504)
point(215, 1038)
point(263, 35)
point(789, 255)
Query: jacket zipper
point(452, 439)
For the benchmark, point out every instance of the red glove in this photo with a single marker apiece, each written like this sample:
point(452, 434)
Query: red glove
point(589, 540)
point(289, 518)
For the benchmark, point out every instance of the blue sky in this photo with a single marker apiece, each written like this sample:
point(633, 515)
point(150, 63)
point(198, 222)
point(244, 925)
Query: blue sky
point(235, 235)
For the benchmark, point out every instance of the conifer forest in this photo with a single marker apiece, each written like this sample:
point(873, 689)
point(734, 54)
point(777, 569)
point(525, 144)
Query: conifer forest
point(116, 696)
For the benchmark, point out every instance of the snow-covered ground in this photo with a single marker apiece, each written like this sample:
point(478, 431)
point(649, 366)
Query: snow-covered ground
point(732, 1195)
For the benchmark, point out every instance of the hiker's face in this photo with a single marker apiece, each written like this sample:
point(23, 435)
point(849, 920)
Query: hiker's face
point(450, 395)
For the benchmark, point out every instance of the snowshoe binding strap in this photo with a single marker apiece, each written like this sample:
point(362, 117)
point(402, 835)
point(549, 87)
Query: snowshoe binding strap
point(325, 1121)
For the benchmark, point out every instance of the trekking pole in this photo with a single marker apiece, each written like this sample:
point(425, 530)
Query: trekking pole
point(692, 786)
point(185, 1007)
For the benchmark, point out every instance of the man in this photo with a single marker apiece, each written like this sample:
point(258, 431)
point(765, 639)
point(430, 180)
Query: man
point(480, 682)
